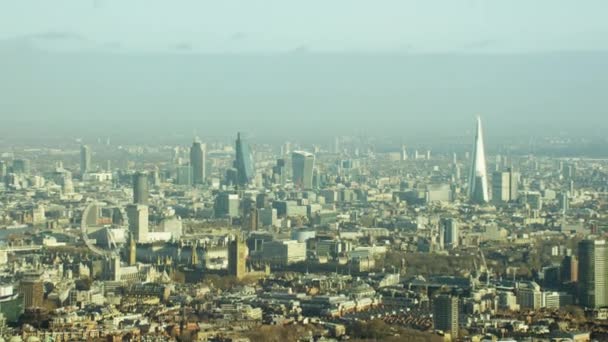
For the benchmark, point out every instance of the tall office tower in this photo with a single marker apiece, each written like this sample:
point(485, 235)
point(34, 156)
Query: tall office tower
point(237, 258)
point(449, 227)
point(138, 221)
point(85, 159)
point(226, 205)
point(456, 172)
point(302, 164)
point(570, 269)
point(286, 149)
point(31, 288)
point(231, 177)
point(114, 269)
point(445, 315)
point(317, 179)
point(175, 155)
point(569, 171)
point(500, 187)
point(592, 273)
point(337, 145)
point(132, 250)
point(252, 222)
point(243, 162)
point(571, 187)
point(478, 182)
point(21, 166)
point(154, 177)
point(183, 175)
point(505, 186)
point(140, 188)
point(279, 172)
point(403, 153)
point(514, 184)
point(498, 163)
point(197, 160)
point(563, 202)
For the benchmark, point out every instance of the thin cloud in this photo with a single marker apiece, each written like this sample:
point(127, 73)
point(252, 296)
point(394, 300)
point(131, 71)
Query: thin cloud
point(56, 35)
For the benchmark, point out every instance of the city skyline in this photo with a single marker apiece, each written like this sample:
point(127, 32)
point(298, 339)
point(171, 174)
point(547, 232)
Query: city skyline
point(320, 171)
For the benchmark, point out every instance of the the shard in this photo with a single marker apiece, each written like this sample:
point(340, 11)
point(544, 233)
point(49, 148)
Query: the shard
point(478, 183)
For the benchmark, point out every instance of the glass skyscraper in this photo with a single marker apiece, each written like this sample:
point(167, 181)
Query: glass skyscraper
point(478, 182)
point(197, 161)
point(302, 165)
point(243, 162)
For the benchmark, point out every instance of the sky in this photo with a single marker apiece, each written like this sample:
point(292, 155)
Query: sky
point(221, 26)
point(318, 67)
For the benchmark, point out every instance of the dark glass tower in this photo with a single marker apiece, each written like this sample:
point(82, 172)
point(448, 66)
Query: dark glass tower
point(197, 161)
point(140, 188)
point(243, 162)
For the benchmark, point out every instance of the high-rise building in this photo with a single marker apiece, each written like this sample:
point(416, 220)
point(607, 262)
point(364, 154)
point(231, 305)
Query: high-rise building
point(445, 314)
point(302, 164)
point(33, 291)
point(592, 273)
point(505, 186)
point(138, 221)
point(570, 269)
point(183, 175)
point(226, 205)
point(569, 171)
point(279, 172)
point(337, 145)
point(21, 166)
point(132, 250)
point(563, 202)
point(237, 258)
point(243, 162)
point(252, 222)
point(197, 161)
point(85, 159)
point(140, 188)
point(478, 182)
point(449, 228)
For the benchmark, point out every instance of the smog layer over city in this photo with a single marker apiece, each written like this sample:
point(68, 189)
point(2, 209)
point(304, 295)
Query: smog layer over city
point(413, 170)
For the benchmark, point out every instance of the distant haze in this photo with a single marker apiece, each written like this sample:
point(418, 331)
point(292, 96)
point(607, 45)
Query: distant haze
point(282, 68)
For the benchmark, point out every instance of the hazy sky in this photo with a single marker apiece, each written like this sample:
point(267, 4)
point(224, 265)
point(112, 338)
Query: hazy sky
point(316, 25)
point(398, 67)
